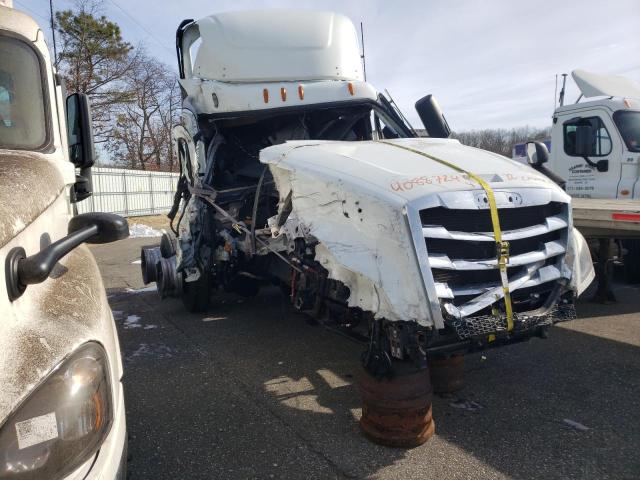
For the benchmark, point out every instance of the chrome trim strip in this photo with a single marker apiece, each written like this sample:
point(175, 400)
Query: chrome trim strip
point(554, 223)
point(550, 249)
point(535, 275)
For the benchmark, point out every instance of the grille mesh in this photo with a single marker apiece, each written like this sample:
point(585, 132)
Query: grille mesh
point(482, 325)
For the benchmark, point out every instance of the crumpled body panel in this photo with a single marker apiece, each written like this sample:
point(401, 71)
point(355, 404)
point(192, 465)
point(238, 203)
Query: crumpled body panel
point(364, 242)
point(353, 198)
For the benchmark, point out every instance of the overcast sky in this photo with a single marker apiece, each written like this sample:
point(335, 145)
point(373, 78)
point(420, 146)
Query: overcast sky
point(489, 63)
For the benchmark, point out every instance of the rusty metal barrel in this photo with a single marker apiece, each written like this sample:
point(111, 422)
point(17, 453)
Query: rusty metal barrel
point(397, 411)
point(447, 373)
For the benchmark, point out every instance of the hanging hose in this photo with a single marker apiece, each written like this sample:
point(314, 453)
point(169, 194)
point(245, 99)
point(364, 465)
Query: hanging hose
point(254, 211)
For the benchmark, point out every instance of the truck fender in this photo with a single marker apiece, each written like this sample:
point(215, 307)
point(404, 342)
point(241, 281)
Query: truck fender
point(579, 261)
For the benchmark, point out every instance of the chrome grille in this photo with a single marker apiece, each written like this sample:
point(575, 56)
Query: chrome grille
point(462, 256)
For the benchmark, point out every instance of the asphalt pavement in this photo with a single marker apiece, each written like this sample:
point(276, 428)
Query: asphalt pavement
point(252, 389)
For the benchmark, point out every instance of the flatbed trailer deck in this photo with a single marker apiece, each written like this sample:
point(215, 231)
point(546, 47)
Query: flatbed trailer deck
point(607, 218)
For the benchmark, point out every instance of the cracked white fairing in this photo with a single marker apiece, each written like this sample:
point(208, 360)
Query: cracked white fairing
point(357, 200)
point(364, 242)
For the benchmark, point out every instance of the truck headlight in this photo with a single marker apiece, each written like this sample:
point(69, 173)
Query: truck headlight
point(63, 422)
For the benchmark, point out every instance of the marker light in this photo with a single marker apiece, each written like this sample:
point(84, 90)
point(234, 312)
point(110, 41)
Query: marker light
point(265, 95)
point(351, 88)
point(300, 92)
point(283, 94)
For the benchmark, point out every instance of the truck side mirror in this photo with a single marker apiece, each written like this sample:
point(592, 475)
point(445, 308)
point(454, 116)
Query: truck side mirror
point(432, 117)
point(80, 131)
point(111, 227)
point(537, 156)
point(81, 149)
point(22, 271)
point(584, 140)
point(537, 153)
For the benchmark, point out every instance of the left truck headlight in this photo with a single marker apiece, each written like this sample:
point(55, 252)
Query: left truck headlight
point(63, 422)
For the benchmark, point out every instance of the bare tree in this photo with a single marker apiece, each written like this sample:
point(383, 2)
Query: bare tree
point(501, 140)
point(141, 136)
point(93, 60)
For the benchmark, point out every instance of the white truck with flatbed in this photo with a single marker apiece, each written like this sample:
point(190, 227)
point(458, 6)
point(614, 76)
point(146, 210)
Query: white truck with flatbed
point(595, 156)
point(296, 171)
point(61, 396)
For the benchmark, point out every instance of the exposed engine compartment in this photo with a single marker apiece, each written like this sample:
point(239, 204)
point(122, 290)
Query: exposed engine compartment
point(228, 213)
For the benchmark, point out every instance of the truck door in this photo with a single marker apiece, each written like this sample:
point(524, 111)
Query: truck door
point(628, 123)
point(583, 178)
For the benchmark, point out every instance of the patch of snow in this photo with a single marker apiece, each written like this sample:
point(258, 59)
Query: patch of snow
point(464, 404)
point(151, 288)
point(155, 350)
point(132, 321)
point(575, 425)
point(139, 230)
point(136, 262)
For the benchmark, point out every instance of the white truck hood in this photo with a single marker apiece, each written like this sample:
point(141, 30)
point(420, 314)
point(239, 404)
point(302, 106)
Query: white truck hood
point(388, 169)
point(353, 198)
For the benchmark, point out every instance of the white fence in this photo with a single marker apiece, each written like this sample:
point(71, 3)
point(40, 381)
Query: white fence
point(130, 193)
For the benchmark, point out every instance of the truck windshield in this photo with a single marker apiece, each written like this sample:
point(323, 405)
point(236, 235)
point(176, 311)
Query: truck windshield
point(23, 123)
point(628, 123)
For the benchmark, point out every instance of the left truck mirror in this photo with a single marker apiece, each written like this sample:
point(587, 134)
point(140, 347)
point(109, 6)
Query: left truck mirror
point(537, 154)
point(80, 131)
point(22, 271)
point(81, 148)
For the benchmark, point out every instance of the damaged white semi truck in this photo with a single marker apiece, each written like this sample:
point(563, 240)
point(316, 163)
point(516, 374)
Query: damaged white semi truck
point(296, 171)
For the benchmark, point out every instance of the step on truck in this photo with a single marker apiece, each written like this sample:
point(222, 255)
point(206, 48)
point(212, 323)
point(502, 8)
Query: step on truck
point(61, 398)
point(297, 172)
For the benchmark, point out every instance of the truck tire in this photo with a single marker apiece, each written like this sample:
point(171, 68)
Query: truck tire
point(168, 245)
point(196, 296)
point(632, 261)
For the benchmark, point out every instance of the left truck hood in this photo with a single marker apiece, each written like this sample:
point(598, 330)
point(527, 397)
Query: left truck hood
point(48, 323)
point(29, 183)
point(53, 318)
point(386, 168)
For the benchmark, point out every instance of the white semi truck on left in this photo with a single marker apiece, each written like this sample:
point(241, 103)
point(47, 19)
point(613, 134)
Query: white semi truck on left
point(61, 397)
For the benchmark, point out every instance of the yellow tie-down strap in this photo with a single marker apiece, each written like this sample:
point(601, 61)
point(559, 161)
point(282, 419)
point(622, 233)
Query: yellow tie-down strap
point(502, 247)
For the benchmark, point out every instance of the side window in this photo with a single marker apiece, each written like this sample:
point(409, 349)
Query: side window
point(598, 137)
point(386, 130)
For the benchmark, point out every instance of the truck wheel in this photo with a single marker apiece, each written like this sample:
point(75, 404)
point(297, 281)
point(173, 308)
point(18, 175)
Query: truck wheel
point(632, 261)
point(196, 296)
point(168, 245)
